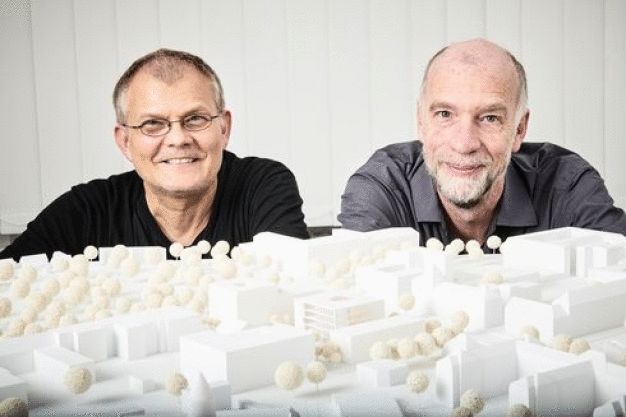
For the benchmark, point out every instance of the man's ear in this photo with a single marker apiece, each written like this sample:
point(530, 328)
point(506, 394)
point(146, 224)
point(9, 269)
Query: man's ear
point(225, 126)
point(122, 141)
point(520, 131)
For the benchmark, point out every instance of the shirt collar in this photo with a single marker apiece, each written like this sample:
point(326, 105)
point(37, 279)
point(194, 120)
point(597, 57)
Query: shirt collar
point(425, 200)
point(516, 208)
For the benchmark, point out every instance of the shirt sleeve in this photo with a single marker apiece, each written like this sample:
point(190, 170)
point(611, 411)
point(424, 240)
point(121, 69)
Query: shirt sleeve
point(57, 228)
point(589, 205)
point(276, 205)
point(376, 196)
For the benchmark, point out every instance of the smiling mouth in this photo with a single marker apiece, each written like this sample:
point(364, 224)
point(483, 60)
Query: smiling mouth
point(179, 161)
point(464, 168)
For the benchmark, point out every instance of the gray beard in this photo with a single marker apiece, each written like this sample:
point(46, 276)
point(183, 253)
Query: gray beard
point(470, 202)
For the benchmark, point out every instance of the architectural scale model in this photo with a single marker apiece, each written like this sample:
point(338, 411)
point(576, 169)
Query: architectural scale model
point(353, 324)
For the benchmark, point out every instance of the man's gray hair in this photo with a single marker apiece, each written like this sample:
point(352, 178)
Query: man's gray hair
point(166, 65)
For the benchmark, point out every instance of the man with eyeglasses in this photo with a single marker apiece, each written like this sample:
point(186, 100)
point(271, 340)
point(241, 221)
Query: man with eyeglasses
point(172, 125)
point(470, 176)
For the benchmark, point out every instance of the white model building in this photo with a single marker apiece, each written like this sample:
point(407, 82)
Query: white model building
point(537, 376)
point(248, 359)
point(298, 257)
point(131, 318)
point(389, 282)
point(240, 300)
point(578, 312)
point(12, 386)
point(355, 341)
point(556, 251)
point(332, 310)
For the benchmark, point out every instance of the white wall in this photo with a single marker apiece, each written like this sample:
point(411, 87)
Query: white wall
point(317, 84)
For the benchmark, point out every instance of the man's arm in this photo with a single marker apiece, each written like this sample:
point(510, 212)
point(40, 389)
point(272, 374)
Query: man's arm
point(378, 194)
point(368, 203)
point(57, 228)
point(589, 205)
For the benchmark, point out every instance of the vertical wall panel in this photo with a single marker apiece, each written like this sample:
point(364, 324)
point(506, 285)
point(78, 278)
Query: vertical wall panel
point(20, 192)
point(584, 79)
point(615, 99)
point(57, 96)
point(137, 29)
point(428, 35)
point(96, 69)
point(316, 84)
point(542, 57)
point(503, 24)
point(222, 43)
point(267, 106)
point(307, 69)
point(180, 25)
point(348, 92)
point(465, 19)
point(391, 101)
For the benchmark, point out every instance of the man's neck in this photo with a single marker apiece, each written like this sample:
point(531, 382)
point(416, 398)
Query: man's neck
point(181, 219)
point(473, 223)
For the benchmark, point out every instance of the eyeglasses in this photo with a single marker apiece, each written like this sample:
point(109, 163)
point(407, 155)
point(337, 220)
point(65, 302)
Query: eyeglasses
point(160, 127)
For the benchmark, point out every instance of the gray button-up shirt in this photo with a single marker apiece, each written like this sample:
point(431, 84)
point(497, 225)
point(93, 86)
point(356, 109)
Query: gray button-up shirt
point(546, 187)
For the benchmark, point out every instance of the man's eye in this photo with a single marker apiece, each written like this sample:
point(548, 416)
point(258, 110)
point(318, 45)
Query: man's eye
point(490, 118)
point(195, 120)
point(153, 124)
point(443, 114)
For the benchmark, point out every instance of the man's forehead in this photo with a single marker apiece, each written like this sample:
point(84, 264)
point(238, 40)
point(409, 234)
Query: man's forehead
point(471, 79)
point(470, 76)
point(146, 86)
point(477, 57)
point(168, 76)
point(153, 95)
point(488, 103)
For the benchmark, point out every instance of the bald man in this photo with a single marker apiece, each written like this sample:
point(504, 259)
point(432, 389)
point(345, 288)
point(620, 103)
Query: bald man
point(470, 176)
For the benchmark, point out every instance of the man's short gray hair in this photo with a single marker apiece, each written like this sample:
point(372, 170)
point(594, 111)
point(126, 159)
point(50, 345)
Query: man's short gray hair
point(166, 65)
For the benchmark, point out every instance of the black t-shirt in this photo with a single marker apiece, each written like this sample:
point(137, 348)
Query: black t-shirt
point(253, 195)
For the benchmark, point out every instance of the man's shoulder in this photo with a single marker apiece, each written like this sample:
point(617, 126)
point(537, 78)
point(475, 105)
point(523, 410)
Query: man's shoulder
point(250, 166)
point(255, 195)
point(552, 165)
point(398, 159)
point(545, 156)
point(400, 153)
point(118, 184)
point(249, 161)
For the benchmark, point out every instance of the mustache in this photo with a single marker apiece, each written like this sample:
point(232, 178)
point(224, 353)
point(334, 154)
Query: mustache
point(451, 158)
point(465, 162)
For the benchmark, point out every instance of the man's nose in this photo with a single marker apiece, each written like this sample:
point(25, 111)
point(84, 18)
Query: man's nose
point(467, 137)
point(177, 135)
